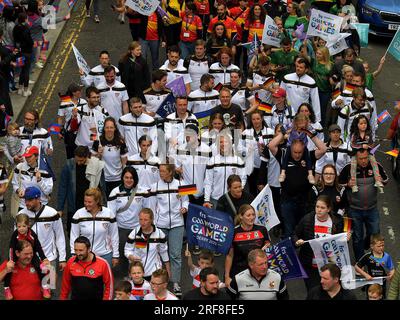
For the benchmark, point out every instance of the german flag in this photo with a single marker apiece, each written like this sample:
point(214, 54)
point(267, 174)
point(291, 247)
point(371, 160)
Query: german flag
point(335, 94)
point(349, 87)
point(393, 153)
point(269, 82)
point(347, 224)
point(263, 106)
point(65, 98)
point(187, 190)
point(140, 244)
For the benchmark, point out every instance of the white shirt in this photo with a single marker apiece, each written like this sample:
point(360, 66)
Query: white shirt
point(221, 73)
point(112, 98)
point(96, 76)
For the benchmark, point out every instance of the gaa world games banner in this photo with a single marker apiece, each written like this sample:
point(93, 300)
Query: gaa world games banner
point(209, 229)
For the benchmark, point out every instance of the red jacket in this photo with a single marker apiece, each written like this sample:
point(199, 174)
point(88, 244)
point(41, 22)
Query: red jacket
point(91, 280)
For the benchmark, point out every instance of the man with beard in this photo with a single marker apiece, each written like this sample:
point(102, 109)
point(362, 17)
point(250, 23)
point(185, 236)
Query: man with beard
point(209, 283)
point(175, 69)
point(157, 93)
point(113, 94)
point(86, 276)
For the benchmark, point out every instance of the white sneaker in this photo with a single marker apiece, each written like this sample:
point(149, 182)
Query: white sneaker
point(20, 91)
point(87, 13)
point(27, 93)
point(31, 81)
point(96, 19)
point(177, 289)
point(39, 65)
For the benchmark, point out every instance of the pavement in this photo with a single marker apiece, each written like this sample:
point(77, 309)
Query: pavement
point(90, 38)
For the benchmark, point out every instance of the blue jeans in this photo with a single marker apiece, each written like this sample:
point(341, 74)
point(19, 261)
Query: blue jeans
point(96, 4)
point(175, 240)
point(108, 258)
point(360, 217)
point(151, 47)
point(187, 48)
point(292, 210)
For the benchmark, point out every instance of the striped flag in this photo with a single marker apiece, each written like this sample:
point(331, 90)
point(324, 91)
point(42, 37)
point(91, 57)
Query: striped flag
point(263, 106)
point(347, 224)
point(335, 94)
point(20, 61)
point(140, 244)
point(396, 104)
point(70, 3)
point(269, 82)
point(393, 153)
point(383, 116)
point(65, 98)
point(55, 128)
point(349, 87)
point(187, 190)
point(218, 87)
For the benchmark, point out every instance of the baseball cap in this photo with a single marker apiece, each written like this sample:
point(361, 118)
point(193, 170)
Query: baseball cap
point(30, 151)
point(279, 93)
point(334, 127)
point(32, 193)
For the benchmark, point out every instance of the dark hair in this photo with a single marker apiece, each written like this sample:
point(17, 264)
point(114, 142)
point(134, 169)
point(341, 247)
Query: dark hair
point(22, 17)
point(207, 271)
point(334, 270)
point(36, 115)
point(73, 87)
point(325, 199)
point(180, 98)
point(21, 244)
point(311, 116)
point(286, 41)
point(354, 126)
point(134, 174)
point(124, 286)
point(238, 71)
point(251, 18)
point(33, 7)
point(84, 240)
point(224, 35)
point(359, 74)
point(157, 75)
point(206, 78)
point(264, 61)
point(321, 182)
point(233, 178)
point(206, 254)
point(225, 50)
point(82, 152)
point(216, 116)
point(301, 60)
point(161, 273)
point(191, 6)
point(135, 100)
point(90, 90)
point(144, 138)
point(261, 114)
point(173, 48)
point(104, 52)
point(108, 69)
point(200, 42)
point(359, 92)
point(8, 14)
point(136, 264)
point(117, 139)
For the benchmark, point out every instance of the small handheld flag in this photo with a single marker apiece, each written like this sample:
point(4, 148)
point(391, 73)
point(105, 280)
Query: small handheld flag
point(393, 153)
point(374, 149)
point(347, 224)
point(20, 61)
point(71, 3)
point(263, 106)
point(335, 94)
point(65, 98)
point(349, 87)
point(268, 82)
point(218, 87)
point(55, 128)
point(187, 190)
point(383, 116)
point(161, 12)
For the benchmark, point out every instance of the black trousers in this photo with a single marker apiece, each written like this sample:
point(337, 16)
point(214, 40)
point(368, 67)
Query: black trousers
point(173, 32)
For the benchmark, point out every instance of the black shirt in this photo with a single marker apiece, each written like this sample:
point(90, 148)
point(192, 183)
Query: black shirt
point(233, 116)
point(317, 293)
point(82, 184)
point(196, 294)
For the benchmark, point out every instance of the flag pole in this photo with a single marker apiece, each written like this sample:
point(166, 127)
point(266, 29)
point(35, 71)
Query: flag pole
point(387, 49)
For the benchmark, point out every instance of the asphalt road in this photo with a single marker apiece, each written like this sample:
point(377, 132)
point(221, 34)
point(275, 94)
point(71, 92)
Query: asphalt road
point(90, 38)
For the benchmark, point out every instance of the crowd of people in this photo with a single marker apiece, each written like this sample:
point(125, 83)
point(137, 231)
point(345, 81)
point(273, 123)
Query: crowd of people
point(294, 118)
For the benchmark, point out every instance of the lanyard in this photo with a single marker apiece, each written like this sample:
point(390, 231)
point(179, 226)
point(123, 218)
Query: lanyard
point(188, 22)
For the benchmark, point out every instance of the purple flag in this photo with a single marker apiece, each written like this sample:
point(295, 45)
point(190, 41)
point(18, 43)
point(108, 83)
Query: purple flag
point(177, 87)
point(161, 12)
point(283, 259)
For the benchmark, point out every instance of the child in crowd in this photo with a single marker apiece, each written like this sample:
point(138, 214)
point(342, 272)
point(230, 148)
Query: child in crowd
point(377, 262)
point(206, 259)
point(375, 292)
point(371, 76)
point(123, 291)
point(140, 286)
point(12, 143)
point(361, 137)
point(24, 232)
point(299, 131)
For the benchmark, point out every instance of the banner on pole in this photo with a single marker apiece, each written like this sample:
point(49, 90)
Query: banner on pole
point(336, 44)
point(263, 204)
point(209, 229)
point(82, 64)
point(177, 86)
point(324, 25)
point(283, 259)
point(145, 7)
point(271, 33)
point(167, 106)
point(362, 30)
point(394, 47)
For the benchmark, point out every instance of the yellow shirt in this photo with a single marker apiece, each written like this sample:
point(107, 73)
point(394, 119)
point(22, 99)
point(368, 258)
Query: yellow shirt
point(174, 4)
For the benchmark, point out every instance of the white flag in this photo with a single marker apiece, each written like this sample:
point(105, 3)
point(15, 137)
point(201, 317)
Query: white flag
point(145, 7)
point(323, 24)
point(337, 43)
point(333, 249)
point(82, 64)
point(271, 33)
point(265, 211)
point(351, 284)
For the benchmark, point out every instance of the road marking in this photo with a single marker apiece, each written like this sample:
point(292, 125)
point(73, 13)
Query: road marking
point(385, 211)
point(391, 233)
point(397, 84)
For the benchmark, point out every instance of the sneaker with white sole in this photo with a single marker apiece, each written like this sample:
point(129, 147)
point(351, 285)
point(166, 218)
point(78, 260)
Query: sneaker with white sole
point(87, 14)
point(96, 19)
point(20, 91)
point(39, 65)
point(31, 81)
point(27, 93)
point(177, 289)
